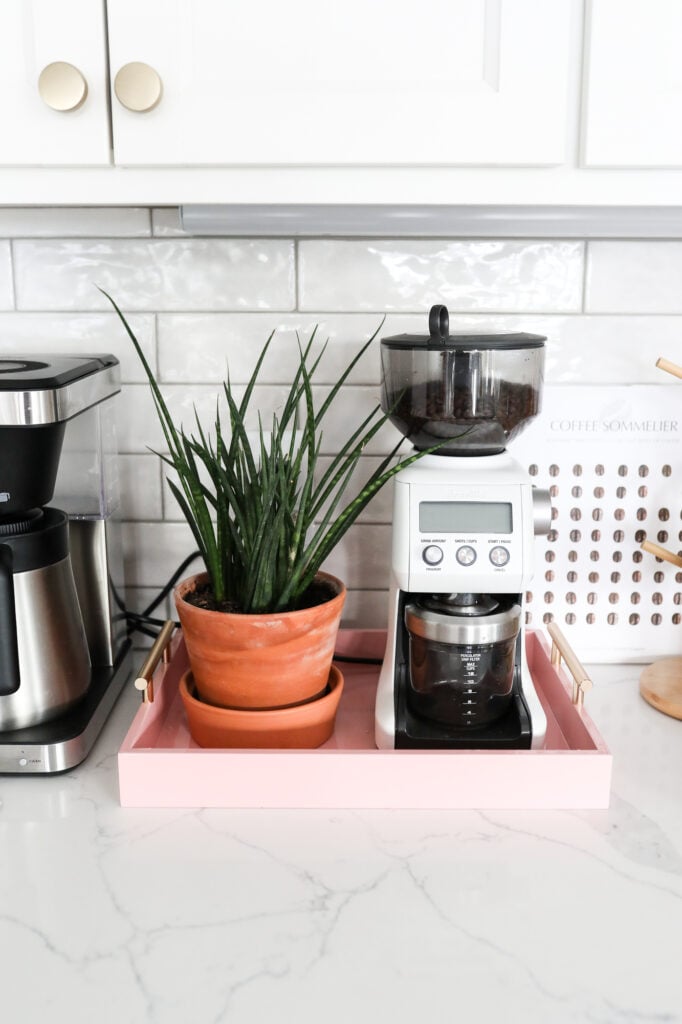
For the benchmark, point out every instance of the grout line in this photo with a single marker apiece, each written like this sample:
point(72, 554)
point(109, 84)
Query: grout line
point(155, 344)
point(478, 314)
point(421, 312)
point(586, 254)
point(297, 277)
point(56, 237)
point(12, 277)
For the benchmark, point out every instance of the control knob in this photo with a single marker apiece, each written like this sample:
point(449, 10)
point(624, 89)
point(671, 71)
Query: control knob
point(432, 554)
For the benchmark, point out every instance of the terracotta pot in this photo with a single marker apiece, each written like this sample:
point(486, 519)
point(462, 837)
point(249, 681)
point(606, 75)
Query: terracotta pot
point(260, 661)
point(303, 726)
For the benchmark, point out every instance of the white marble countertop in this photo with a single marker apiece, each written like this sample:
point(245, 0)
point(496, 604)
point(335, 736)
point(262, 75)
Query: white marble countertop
point(110, 914)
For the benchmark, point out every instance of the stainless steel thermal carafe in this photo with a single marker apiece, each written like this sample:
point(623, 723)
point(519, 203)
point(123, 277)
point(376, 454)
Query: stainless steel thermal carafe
point(44, 657)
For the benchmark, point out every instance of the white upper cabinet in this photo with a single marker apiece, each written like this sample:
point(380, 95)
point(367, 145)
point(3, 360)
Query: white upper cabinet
point(633, 110)
point(53, 82)
point(385, 102)
point(340, 82)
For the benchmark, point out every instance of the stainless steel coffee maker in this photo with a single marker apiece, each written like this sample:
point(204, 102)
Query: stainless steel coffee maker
point(64, 653)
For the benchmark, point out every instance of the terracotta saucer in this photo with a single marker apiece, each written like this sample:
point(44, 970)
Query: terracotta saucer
point(303, 726)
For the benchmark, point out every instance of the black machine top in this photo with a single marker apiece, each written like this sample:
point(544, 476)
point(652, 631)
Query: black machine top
point(46, 372)
point(439, 337)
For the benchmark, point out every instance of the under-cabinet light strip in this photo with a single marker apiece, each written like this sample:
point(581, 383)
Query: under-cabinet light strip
point(358, 221)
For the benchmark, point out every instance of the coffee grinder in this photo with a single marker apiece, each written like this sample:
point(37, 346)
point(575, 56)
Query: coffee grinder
point(64, 650)
point(455, 674)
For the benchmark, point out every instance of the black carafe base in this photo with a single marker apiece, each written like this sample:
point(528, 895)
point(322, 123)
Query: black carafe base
point(511, 731)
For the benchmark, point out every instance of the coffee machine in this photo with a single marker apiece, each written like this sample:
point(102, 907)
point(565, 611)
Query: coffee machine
point(64, 650)
point(455, 674)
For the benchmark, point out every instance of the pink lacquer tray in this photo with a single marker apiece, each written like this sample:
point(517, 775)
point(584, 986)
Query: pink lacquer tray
point(159, 765)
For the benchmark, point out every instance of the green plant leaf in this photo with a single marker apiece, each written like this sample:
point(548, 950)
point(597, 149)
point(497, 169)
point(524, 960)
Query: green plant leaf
point(253, 511)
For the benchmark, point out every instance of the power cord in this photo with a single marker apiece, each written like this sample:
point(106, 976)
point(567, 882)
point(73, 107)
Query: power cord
point(358, 661)
point(144, 622)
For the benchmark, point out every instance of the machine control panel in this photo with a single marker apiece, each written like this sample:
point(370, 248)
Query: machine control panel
point(476, 536)
point(466, 554)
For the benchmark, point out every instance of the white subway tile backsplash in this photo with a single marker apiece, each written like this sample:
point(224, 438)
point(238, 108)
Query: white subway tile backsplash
point(468, 276)
point(152, 552)
point(155, 274)
point(634, 277)
point(137, 424)
point(186, 402)
point(137, 599)
point(199, 347)
point(379, 510)
point(380, 507)
point(345, 415)
point(74, 222)
point(166, 222)
point(363, 557)
point(6, 291)
point(80, 334)
point(201, 304)
point(617, 349)
point(140, 481)
point(365, 609)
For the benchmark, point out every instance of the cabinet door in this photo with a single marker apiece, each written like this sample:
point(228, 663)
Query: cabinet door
point(345, 81)
point(634, 84)
point(35, 34)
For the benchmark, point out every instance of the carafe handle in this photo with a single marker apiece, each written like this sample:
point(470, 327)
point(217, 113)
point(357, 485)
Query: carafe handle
point(9, 650)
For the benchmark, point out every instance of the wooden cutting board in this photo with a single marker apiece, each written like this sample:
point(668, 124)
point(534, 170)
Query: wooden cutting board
point(661, 686)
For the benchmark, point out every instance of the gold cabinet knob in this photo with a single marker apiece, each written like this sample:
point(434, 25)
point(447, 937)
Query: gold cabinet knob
point(138, 87)
point(62, 86)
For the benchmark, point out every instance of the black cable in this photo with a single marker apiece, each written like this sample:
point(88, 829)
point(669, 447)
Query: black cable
point(358, 661)
point(146, 620)
point(143, 629)
point(171, 583)
point(139, 622)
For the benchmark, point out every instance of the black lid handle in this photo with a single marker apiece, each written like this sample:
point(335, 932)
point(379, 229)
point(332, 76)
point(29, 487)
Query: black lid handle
point(439, 322)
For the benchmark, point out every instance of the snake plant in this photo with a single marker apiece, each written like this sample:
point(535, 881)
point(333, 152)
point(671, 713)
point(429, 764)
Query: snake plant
point(263, 518)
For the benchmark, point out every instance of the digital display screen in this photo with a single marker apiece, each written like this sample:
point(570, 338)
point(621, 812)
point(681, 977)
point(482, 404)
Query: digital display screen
point(465, 517)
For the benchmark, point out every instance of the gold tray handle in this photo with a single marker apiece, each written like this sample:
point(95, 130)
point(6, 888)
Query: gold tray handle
point(158, 650)
point(582, 683)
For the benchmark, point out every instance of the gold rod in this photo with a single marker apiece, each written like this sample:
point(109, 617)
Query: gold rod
point(562, 649)
point(158, 650)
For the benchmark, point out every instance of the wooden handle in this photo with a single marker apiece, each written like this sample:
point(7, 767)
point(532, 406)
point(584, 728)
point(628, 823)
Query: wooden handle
point(158, 650)
point(661, 686)
point(665, 364)
point(562, 649)
point(659, 552)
